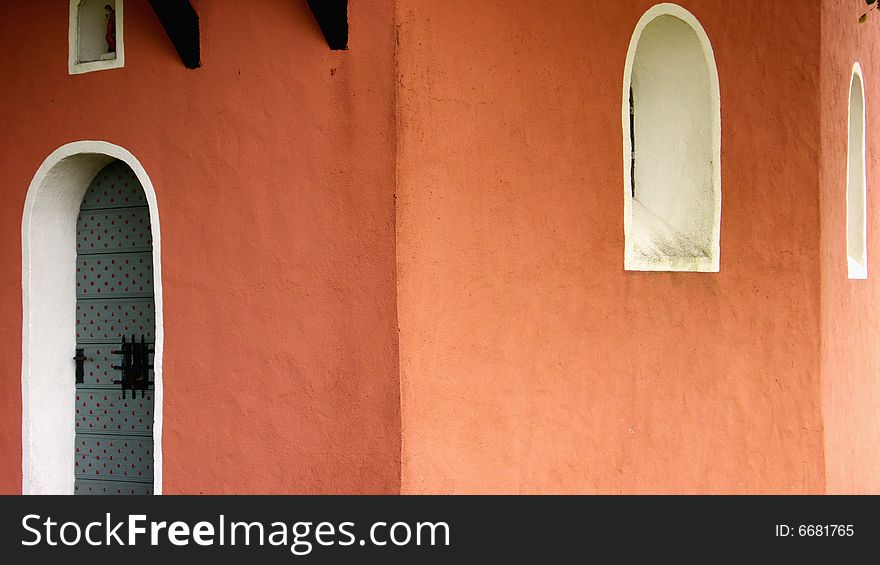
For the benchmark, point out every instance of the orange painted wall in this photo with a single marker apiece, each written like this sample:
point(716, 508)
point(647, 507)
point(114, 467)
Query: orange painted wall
point(274, 169)
point(530, 360)
point(850, 308)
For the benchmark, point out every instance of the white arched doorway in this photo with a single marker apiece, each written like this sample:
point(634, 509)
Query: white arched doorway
point(48, 233)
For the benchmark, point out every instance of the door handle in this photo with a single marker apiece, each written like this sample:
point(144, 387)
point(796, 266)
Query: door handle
point(80, 366)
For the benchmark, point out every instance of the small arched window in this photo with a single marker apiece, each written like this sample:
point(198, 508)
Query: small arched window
point(672, 145)
point(95, 36)
point(856, 240)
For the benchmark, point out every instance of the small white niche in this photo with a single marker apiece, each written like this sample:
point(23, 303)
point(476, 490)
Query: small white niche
point(672, 145)
point(95, 36)
point(856, 217)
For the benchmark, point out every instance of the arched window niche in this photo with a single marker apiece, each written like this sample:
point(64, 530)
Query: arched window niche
point(856, 221)
point(95, 36)
point(672, 145)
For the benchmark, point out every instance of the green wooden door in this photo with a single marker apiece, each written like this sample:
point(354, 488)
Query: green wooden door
point(114, 300)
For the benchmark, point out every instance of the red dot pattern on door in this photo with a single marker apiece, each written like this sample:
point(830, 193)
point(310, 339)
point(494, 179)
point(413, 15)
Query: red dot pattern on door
point(103, 457)
point(104, 231)
point(105, 411)
point(114, 290)
point(115, 186)
point(85, 486)
point(106, 321)
point(102, 275)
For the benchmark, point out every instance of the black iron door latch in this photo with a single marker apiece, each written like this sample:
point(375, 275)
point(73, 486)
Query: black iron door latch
point(80, 366)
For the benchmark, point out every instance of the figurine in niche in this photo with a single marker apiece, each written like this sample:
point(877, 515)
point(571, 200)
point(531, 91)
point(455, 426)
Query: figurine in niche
point(110, 36)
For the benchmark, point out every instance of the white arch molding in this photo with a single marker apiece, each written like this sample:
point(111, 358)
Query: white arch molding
point(663, 238)
point(856, 179)
point(48, 235)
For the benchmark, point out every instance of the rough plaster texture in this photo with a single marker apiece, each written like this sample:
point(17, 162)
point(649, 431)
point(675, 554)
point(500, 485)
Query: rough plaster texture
point(273, 165)
point(850, 314)
point(530, 360)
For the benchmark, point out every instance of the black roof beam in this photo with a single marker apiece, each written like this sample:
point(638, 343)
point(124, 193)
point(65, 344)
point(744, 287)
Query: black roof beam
point(181, 23)
point(332, 16)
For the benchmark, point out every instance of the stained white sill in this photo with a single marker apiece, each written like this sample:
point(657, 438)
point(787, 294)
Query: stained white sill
point(114, 62)
point(855, 270)
point(654, 245)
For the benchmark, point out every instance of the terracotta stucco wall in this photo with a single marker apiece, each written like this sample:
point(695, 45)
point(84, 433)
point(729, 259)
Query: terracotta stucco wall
point(850, 312)
point(274, 170)
point(530, 360)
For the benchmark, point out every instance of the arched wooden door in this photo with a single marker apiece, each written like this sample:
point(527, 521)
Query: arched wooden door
point(115, 333)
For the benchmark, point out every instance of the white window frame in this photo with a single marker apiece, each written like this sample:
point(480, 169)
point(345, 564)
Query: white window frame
point(74, 66)
point(632, 260)
point(857, 267)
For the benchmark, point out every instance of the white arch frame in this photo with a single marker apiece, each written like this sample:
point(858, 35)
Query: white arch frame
point(855, 269)
point(48, 236)
point(631, 261)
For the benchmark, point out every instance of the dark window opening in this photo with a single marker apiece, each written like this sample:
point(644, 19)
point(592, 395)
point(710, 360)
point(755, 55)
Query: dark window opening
point(632, 144)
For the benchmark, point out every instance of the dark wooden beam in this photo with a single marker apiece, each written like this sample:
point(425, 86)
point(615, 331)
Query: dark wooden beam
point(181, 23)
point(332, 16)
